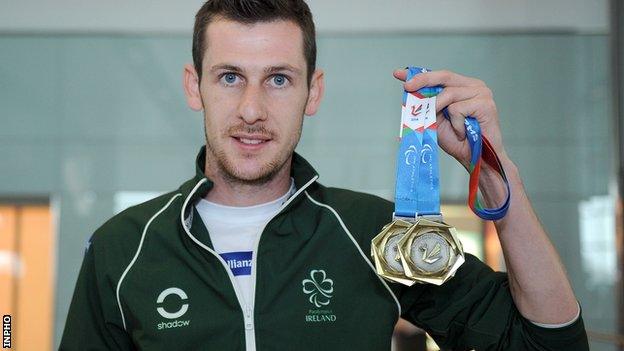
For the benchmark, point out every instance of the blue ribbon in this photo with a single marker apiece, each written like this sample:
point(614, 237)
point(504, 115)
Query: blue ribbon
point(417, 189)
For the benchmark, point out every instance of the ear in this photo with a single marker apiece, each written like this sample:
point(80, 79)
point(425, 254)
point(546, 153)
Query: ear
point(191, 88)
point(317, 88)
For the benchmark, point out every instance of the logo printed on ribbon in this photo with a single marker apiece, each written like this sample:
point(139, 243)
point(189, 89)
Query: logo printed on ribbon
point(425, 153)
point(410, 155)
point(416, 111)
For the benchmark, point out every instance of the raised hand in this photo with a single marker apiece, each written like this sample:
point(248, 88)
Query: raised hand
point(462, 96)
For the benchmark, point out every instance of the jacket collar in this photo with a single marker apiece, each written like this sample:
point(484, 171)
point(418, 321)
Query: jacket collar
point(197, 187)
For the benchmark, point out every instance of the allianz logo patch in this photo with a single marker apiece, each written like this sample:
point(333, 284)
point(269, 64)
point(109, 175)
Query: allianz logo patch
point(239, 262)
point(172, 314)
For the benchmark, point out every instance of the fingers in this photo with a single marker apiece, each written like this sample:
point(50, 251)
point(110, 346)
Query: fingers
point(478, 108)
point(400, 74)
point(457, 121)
point(454, 94)
point(444, 123)
point(429, 79)
point(462, 96)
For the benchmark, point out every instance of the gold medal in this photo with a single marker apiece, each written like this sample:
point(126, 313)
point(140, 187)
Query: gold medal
point(424, 250)
point(385, 252)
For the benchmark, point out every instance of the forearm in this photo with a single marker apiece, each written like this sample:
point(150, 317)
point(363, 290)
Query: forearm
point(538, 282)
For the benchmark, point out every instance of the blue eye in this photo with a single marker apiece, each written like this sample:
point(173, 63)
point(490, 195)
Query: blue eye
point(229, 78)
point(279, 80)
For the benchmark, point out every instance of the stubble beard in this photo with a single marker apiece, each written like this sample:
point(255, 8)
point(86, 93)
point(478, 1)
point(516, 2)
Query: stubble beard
point(227, 170)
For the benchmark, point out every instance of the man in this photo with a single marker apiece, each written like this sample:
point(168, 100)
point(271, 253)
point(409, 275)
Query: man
point(254, 254)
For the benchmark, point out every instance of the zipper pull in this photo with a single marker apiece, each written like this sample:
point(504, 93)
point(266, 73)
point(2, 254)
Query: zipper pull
point(249, 318)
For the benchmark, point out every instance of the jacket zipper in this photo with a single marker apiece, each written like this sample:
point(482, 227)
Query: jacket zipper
point(247, 309)
point(254, 257)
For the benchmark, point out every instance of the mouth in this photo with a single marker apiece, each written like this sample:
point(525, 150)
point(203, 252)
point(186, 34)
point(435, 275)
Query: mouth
point(251, 141)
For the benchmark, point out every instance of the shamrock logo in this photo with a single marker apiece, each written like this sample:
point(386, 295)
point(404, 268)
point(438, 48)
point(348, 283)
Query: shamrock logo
point(319, 287)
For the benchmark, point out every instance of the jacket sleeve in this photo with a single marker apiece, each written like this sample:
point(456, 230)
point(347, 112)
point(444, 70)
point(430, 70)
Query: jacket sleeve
point(475, 310)
point(92, 323)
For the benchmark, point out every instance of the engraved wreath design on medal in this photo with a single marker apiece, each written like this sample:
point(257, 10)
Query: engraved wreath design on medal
point(319, 287)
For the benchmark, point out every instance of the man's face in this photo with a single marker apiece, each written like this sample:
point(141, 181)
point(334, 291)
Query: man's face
point(254, 94)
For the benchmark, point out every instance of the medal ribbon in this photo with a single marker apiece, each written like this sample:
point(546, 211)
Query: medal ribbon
point(417, 190)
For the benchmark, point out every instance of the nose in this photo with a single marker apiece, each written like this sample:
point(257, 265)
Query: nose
point(251, 107)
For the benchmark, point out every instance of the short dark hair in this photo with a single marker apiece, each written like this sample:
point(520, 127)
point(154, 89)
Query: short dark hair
point(254, 11)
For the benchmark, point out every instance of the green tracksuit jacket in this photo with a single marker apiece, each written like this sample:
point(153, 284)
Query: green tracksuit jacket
point(150, 280)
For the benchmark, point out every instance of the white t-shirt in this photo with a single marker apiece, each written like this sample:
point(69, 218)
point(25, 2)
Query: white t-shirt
point(234, 231)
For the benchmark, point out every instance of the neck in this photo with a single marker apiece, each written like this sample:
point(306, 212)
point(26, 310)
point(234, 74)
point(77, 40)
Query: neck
point(232, 193)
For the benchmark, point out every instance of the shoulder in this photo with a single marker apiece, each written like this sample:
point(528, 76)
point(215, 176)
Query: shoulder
point(349, 200)
point(363, 214)
point(119, 236)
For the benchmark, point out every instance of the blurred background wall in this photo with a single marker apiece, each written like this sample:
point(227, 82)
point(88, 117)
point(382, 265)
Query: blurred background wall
point(93, 117)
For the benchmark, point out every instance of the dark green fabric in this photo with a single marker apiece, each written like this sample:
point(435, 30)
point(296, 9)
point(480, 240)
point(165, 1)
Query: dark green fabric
point(474, 310)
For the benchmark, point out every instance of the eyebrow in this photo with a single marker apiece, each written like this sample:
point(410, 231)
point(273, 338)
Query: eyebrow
point(267, 70)
point(226, 67)
point(284, 67)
